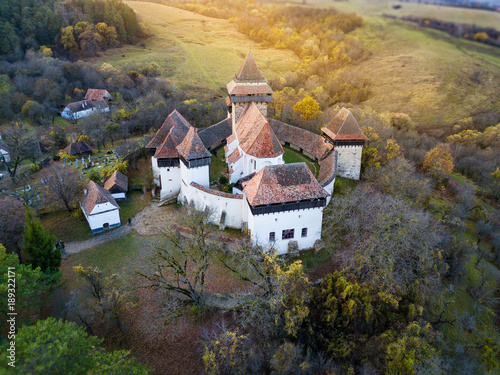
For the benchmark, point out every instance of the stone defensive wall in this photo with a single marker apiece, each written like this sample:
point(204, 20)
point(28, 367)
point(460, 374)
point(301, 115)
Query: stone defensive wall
point(312, 145)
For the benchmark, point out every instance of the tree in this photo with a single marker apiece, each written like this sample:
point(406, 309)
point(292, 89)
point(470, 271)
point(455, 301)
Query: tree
point(182, 263)
point(387, 242)
point(438, 162)
point(22, 145)
point(11, 224)
point(63, 185)
point(39, 245)
point(33, 287)
point(308, 108)
point(99, 298)
point(57, 347)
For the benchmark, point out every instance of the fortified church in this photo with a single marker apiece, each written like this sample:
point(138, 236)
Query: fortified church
point(280, 205)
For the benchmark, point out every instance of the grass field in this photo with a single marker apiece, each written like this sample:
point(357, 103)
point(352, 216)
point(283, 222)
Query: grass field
point(293, 156)
point(200, 55)
point(378, 7)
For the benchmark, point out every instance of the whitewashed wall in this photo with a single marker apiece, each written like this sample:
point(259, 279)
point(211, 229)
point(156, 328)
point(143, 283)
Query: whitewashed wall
point(329, 189)
point(119, 196)
point(260, 163)
point(349, 161)
point(200, 175)
point(156, 170)
point(216, 204)
point(170, 181)
point(261, 225)
point(101, 214)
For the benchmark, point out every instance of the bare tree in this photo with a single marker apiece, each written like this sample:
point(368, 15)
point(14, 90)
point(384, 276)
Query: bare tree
point(11, 224)
point(182, 263)
point(22, 145)
point(63, 186)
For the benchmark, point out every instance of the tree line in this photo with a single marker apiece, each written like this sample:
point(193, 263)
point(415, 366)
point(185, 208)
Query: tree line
point(66, 28)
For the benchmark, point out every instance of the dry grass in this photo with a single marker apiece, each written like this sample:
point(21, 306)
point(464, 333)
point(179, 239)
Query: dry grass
point(200, 55)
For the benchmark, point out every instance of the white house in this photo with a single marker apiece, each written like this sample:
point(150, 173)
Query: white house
point(100, 209)
point(280, 205)
point(84, 108)
point(117, 185)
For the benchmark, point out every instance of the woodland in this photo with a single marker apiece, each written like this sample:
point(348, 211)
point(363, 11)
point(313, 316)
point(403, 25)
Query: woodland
point(406, 280)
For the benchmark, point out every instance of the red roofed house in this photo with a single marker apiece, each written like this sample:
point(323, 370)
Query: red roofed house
point(117, 185)
point(348, 140)
point(97, 94)
point(100, 209)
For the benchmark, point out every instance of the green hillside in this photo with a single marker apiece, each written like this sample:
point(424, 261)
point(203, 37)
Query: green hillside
point(200, 54)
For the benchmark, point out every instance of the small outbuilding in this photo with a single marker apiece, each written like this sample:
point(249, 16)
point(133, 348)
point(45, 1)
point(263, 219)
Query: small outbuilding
point(84, 108)
point(100, 208)
point(98, 94)
point(117, 185)
point(4, 152)
point(77, 148)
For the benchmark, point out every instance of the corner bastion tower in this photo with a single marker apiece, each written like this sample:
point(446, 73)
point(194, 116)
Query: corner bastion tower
point(344, 133)
point(249, 84)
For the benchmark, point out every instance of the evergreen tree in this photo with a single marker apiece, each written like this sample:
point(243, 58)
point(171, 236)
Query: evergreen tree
point(39, 245)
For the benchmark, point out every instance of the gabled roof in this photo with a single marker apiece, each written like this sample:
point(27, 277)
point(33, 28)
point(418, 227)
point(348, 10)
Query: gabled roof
point(234, 157)
point(80, 106)
point(249, 71)
point(255, 135)
point(78, 148)
point(282, 184)
point(168, 149)
point(96, 195)
point(117, 179)
point(344, 127)
point(97, 94)
point(192, 147)
point(175, 124)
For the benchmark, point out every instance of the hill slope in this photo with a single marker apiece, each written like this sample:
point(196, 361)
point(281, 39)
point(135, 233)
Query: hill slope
point(201, 54)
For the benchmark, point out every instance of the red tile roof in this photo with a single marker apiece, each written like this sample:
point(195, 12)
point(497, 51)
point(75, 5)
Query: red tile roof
point(249, 71)
point(255, 135)
point(311, 143)
point(97, 94)
point(117, 180)
point(175, 124)
point(234, 157)
point(78, 148)
point(168, 149)
point(236, 88)
point(216, 192)
point(228, 101)
point(226, 149)
point(344, 127)
point(231, 138)
point(192, 147)
point(96, 195)
point(282, 184)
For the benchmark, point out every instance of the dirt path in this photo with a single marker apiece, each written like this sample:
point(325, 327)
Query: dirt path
point(150, 221)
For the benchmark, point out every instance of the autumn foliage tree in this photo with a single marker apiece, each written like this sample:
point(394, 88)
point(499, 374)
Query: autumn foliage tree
point(438, 162)
point(308, 108)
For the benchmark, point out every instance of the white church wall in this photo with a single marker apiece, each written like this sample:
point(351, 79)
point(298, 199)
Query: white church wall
point(251, 164)
point(261, 226)
point(217, 204)
point(349, 161)
point(329, 188)
point(156, 170)
point(170, 181)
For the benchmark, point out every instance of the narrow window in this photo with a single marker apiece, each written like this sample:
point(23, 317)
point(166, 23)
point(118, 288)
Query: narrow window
point(304, 232)
point(272, 236)
point(287, 233)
